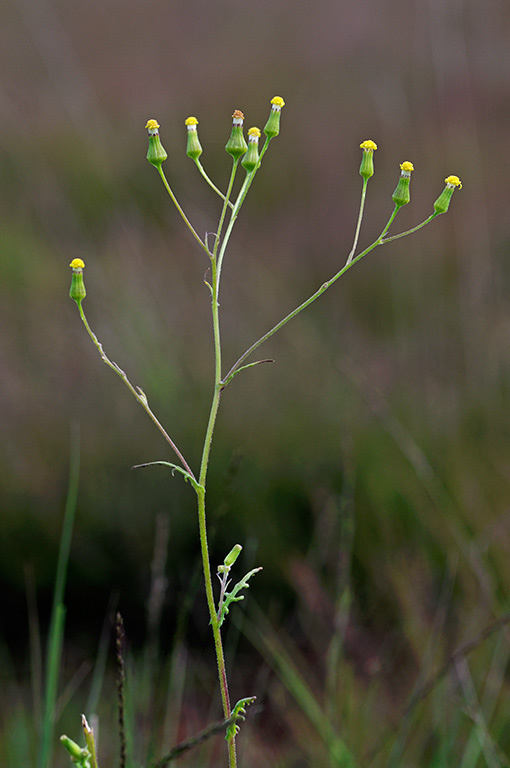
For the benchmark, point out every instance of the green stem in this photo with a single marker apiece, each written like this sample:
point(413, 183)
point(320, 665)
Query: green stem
point(211, 183)
point(237, 207)
point(410, 231)
point(220, 658)
point(184, 217)
point(216, 260)
point(235, 166)
point(358, 224)
point(235, 213)
point(263, 150)
point(324, 287)
point(138, 393)
point(218, 645)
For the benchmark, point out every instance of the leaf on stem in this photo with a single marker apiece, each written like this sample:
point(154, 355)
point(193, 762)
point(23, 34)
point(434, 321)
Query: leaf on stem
point(248, 365)
point(233, 596)
point(238, 715)
point(175, 468)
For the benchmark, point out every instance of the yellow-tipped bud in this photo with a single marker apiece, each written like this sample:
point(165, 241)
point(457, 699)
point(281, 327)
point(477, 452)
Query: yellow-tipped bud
point(156, 154)
point(272, 127)
point(193, 148)
point(251, 159)
point(368, 144)
point(443, 201)
point(367, 161)
point(232, 556)
point(236, 145)
point(401, 195)
point(77, 291)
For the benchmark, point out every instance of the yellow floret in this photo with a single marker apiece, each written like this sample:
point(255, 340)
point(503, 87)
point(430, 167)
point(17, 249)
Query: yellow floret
point(368, 145)
point(151, 124)
point(191, 121)
point(277, 101)
point(407, 166)
point(77, 264)
point(254, 132)
point(453, 181)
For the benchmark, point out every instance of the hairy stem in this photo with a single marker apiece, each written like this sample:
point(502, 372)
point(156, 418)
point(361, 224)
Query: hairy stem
point(138, 393)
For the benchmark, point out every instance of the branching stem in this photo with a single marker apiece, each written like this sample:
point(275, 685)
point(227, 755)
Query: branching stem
point(324, 287)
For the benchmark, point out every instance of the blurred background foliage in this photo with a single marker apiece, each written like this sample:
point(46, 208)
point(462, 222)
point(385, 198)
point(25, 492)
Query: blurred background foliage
point(371, 460)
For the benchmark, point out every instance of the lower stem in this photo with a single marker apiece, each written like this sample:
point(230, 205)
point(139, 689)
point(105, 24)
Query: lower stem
point(218, 645)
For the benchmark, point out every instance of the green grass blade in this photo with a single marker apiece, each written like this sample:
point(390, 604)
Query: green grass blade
point(56, 633)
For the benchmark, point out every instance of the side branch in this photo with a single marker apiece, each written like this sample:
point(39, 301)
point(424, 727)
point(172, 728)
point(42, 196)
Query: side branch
point(381, 240)
point(137, 392)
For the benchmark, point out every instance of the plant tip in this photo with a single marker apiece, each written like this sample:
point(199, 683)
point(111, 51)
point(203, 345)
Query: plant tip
point(193, 147)
point(272, 127)
point(236, 146)
point(367, 161)
point(401, 195)
point(442, 203)
point(156, 153)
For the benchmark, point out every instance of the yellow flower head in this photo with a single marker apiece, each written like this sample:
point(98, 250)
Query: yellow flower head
point(251, 159)
point(77, 291)
point(407, 166)
point(368, 145)
point(277, 102)
point(156, 153)
point(194, 148)
point(443, 201)
point(453, 181)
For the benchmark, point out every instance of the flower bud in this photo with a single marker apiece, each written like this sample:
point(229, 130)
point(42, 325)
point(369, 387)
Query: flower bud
point(194, 148)
point(251, 158)
point(77, 291)
point(236, 145)
point(232, 556)
point(367, 161)
point(272, 127)
point(156, 154)
point(443, 201)
point(401, 195)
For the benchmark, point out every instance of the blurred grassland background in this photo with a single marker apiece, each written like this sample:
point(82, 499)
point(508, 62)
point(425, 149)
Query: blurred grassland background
point(371, 462)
